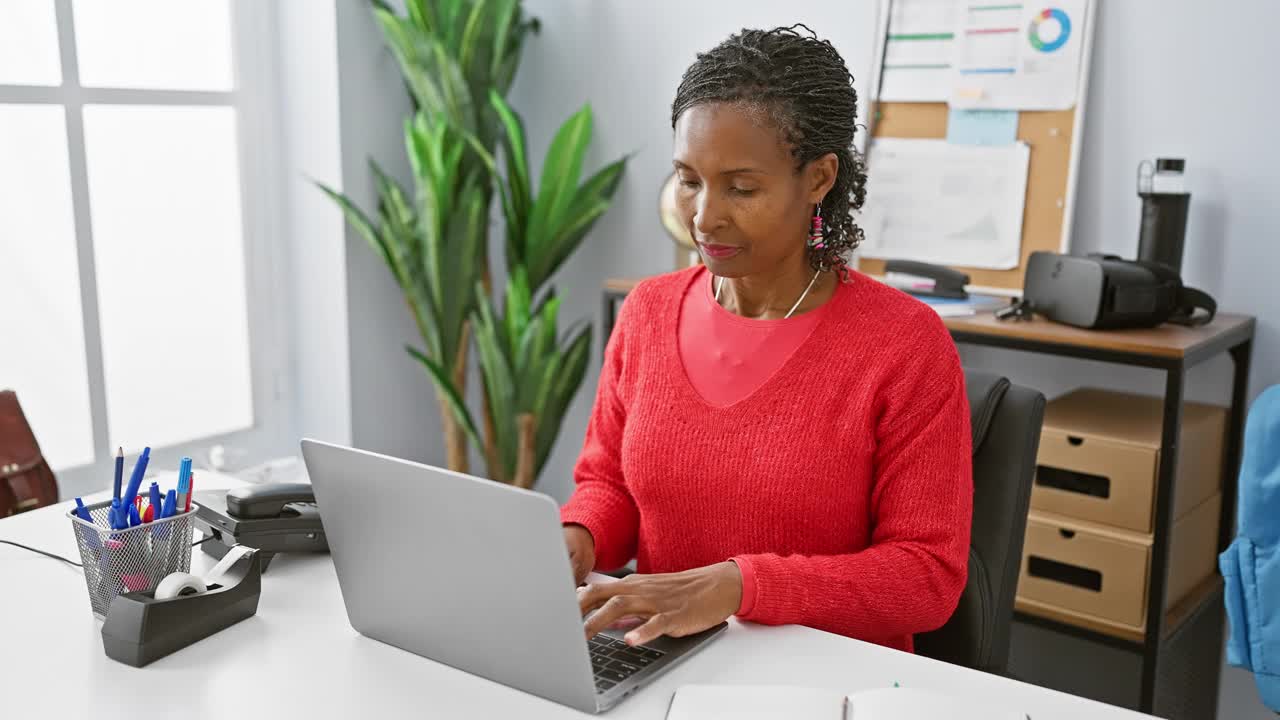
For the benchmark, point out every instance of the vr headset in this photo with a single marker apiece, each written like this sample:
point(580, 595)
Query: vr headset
point(1104, 292)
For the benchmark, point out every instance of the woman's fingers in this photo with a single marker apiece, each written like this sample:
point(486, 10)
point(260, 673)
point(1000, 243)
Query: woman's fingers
point(594, 595)
point(616, 608)
point(654, 628)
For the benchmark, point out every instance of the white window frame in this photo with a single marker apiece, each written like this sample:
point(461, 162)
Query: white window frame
point(272, 433)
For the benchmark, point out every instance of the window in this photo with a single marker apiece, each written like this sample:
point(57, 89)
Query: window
point(135, 308)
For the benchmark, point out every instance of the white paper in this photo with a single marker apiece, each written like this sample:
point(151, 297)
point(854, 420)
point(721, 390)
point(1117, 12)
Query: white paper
point(917, 704)
point(958, 205)
point(755, 702)
point(768, 702)
point(1018, 56)
point(918, 51)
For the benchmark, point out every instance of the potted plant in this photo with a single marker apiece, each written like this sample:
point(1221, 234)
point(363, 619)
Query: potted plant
point(458, 58)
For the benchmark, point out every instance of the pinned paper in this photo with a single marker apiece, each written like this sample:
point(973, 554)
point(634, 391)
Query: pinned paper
point(982, 127)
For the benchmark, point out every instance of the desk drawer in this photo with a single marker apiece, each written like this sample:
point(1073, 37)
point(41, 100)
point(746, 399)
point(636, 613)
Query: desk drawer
point(1094, 573)
point(1099, 458)
point(1085, 570)
point(1095, 479)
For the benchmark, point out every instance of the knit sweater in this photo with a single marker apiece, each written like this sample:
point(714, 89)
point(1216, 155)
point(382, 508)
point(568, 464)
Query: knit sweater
point(842, 487)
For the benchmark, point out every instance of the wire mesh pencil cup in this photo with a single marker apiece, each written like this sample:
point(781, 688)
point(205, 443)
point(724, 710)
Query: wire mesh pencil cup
point(132, 560)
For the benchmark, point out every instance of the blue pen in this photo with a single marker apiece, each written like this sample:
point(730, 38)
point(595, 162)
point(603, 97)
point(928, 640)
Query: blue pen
point(113, 516)
point(134, 519)
point(115, 487)
point(82, 512)
point(155, 501)
point(135, 480)
point(184, 483)
point(170, 504)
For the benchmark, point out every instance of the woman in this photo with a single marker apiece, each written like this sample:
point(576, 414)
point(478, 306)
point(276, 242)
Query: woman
point(774, 436)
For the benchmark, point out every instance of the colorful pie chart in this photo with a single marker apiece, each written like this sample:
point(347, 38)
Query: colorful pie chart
point(1038, 22)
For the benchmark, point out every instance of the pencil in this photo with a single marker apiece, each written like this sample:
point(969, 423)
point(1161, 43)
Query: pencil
point(115, 489)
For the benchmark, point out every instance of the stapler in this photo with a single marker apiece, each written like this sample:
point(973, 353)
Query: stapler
point(272, 517)
point(945, 282)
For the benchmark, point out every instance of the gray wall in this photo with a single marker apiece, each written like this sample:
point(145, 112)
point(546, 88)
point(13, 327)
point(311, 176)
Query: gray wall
point(1169, 78)
point(310, 139)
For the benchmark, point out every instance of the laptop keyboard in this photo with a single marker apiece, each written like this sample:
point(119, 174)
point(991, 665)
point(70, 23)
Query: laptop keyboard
point(613, 661)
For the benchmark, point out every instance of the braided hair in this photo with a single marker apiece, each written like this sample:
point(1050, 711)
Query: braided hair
point(801, 84)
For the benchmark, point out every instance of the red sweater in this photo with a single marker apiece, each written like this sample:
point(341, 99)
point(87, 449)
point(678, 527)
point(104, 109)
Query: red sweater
point(842, 487)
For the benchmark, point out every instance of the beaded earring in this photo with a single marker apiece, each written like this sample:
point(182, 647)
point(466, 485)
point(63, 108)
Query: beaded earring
point(817, 238)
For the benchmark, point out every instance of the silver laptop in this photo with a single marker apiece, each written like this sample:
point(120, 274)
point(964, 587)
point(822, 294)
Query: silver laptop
point(473, 574)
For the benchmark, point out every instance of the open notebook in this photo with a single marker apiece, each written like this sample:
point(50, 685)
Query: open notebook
point(758, 702)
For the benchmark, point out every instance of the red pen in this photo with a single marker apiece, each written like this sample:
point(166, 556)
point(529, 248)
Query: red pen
point(191, 484)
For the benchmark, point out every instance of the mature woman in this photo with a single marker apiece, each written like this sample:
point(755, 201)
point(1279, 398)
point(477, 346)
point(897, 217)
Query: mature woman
point(774, 436)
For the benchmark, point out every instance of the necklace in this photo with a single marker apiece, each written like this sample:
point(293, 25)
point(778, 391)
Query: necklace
point(803, 295)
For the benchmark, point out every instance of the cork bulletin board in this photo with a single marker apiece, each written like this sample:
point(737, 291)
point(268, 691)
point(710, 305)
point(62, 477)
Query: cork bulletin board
point(1054, 139)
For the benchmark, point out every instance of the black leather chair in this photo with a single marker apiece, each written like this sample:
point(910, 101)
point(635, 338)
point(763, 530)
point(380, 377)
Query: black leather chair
point(1006, 423)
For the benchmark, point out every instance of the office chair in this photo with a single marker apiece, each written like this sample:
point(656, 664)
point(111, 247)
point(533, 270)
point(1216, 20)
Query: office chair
point(1006, 422)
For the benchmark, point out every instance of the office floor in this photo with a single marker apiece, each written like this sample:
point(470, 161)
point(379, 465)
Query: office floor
point(1238, 697)
point(1112, 676)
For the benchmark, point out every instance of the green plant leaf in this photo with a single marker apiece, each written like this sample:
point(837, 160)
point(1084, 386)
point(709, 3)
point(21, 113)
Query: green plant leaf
point(411, 48)
point(499, 384)
point(491, 165)
point(445, 387)
point(560, 173)
point(540, 353)
point(506, 15)
point(519, 300)
point(471, 31)
point(565, 385)
point(600, 186)
point(422, 14)
point(521, 198)
point(464, 238)
point(358, 220)
point(564, 242)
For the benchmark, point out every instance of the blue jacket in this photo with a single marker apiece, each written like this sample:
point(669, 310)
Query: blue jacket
point(1251, 566)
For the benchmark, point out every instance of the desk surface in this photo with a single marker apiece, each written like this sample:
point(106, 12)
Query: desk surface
point(1166, 341)
point(298, 657)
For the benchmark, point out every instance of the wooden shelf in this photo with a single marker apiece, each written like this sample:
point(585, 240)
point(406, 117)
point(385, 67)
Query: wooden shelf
point(1169, 341)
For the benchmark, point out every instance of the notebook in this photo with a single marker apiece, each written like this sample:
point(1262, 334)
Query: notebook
point(974, 304)
point(761, 702)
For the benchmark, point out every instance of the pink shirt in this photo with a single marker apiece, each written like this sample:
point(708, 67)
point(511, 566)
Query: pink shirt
point(728, 357)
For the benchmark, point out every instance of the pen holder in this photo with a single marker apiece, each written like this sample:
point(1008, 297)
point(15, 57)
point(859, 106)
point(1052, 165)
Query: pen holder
point(131, 560)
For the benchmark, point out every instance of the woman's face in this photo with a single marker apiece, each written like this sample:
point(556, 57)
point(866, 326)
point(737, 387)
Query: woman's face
point(739, 193)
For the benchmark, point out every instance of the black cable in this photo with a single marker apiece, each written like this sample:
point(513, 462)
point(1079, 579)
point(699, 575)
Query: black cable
point(65, 560)
point(46, 554)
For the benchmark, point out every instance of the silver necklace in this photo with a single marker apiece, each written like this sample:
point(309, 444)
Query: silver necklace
point(803, 295)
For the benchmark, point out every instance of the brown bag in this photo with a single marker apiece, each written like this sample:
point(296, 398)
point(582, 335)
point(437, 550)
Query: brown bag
point(26, 481)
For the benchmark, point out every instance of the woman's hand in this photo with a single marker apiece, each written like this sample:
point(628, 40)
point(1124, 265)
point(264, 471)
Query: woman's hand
point(675, 604)
point(582, 551)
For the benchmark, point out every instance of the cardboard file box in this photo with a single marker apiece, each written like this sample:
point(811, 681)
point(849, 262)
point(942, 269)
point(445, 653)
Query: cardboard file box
point(1073, 570)
point(1100, 457)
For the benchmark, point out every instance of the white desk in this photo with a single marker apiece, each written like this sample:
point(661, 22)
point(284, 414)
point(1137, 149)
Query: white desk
point(298, 657)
